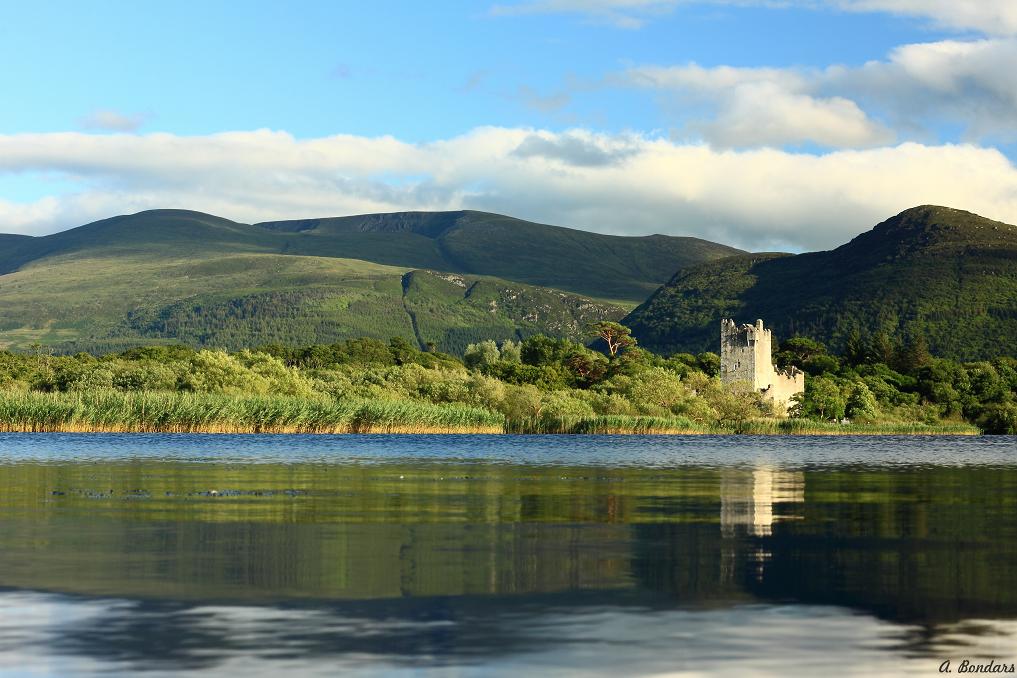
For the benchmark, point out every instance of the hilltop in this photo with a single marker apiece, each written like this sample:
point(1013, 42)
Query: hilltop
point(617, 268)
point(947, 274)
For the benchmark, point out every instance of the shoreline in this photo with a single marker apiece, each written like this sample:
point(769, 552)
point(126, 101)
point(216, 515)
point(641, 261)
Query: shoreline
point(478, 430)
point(172, 412)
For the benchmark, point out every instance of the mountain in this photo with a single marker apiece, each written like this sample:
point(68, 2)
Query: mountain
point(11, 240)
point(618, 268)
point(162, 232)
point(603, 266)
point(445, 278)
point(944, 273)
point(101, 303)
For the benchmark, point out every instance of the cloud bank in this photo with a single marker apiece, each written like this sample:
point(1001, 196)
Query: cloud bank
point(624, 184)
point(910, 94)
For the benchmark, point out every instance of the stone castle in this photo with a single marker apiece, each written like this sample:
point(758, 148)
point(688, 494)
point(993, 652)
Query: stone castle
point(745, 356)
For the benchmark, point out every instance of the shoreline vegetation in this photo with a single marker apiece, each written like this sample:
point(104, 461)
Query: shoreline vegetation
point(169, 412)
point(537, 385)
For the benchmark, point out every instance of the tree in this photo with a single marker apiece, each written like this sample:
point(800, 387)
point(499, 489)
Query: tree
point(821, 364)
point(523, 402)
point(856, 349)
point(913, 355)
point(861, 403)
point(511, 351)
point(615, 335)
point(822, 399)
point(542, 350)
point(881, 348)
point(589, 368)
point(709, 363)
point(657, 387)
point(482, 354)
point(796, 351)
point(402, 350)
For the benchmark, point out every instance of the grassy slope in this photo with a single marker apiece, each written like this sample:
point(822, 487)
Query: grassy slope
point(949, 274)
point(84, 301)
point(626, 269)
point(169, 232)
point(11, 240)
point(181, 275)
point(119, 298)
point(452, 310)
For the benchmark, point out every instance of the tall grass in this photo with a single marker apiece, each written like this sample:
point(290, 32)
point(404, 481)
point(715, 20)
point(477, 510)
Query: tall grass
point(604, 424)
point(182, 412)
point(612, 424)
point(116, 411)
point(809, 427)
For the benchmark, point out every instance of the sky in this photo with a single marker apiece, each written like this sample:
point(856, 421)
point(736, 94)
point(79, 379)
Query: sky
point(765, 124)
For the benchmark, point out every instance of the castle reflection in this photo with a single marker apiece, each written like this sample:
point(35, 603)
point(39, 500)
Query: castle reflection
point(926, 545)
point(756, 499)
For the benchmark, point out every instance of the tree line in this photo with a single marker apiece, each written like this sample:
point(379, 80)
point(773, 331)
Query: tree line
point(548, 382)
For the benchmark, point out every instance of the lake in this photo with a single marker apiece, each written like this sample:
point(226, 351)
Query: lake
point(506, 555)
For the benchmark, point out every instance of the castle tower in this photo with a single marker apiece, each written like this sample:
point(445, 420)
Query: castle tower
point(745, 356)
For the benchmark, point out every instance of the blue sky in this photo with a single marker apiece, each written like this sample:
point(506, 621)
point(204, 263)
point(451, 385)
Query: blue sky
point(526, 107)
point(418, 71)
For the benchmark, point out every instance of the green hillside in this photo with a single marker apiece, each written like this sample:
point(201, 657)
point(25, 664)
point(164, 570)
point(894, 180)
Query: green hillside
point(178, 275)
point(451, 310)
point(99, 302)
point(625, 269)
point(167, 233)
point(8, 240)
point(602, 266)
point(944, 273)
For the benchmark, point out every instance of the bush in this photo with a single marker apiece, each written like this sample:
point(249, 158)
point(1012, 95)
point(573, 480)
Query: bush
point(219, 372)
point(483, 354)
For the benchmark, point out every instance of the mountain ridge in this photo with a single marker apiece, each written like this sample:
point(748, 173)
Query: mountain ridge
point(947, 274)
point(184, 276)
point(466, 241)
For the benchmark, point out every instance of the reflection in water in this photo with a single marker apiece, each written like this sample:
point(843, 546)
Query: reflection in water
point(467, 635)
point(454, 563)
point(748, 498)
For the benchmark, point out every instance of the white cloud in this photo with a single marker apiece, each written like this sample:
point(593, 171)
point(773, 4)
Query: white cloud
point(759, 199)
point(993, 17)
point(969, 83)
point(916, 90)
point(765, 114)
point(112, 121)
point(764, 107)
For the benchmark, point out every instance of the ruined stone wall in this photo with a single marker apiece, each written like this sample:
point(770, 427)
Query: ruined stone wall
point(783, 387)
point(745, 356)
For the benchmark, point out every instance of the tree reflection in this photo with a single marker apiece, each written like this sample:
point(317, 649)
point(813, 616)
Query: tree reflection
point(467, 545)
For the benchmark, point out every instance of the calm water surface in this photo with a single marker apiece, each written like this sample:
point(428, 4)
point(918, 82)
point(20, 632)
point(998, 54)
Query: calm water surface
point(505, 555)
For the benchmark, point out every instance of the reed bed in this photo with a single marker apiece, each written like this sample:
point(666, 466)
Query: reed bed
point(169, 412)
point(619, 424)
point(605, 425)
point(183, 412)
point(809, 427)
